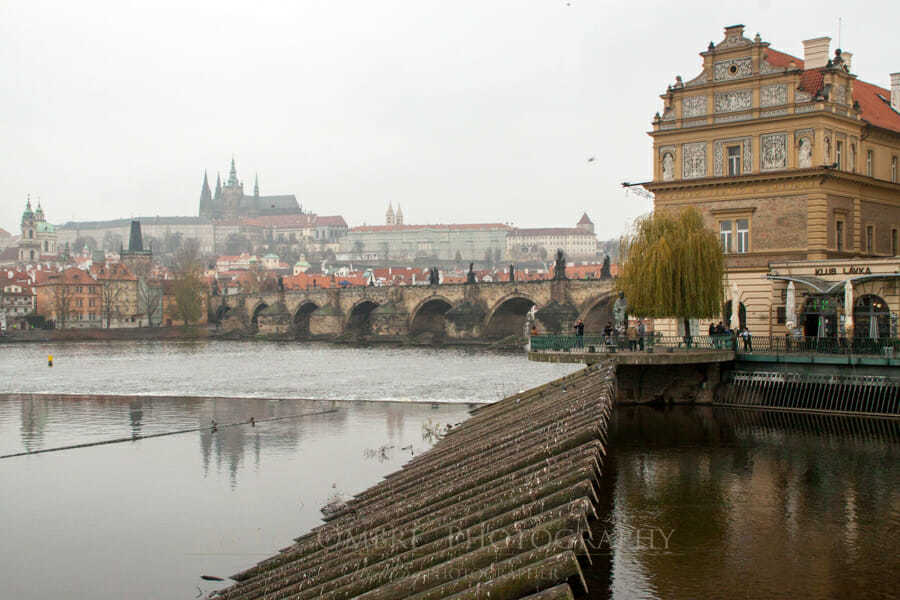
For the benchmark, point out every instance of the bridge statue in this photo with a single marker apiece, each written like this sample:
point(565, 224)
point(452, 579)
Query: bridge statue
point(434, 277)
point(620, 311)
point(559, 271)
point(470, 276)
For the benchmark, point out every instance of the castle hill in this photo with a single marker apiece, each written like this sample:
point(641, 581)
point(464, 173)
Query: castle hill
point(387, 301)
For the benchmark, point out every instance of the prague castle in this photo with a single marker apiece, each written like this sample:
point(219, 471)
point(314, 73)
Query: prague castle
point(230, 202)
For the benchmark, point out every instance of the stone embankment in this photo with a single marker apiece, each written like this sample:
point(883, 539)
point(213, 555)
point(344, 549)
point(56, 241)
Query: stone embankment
point(499, 508)
point(98, 334)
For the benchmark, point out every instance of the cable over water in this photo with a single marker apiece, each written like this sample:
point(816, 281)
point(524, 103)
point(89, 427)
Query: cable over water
point(214, 427)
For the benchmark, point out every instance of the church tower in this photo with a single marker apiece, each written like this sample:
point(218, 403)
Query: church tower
point(389, 218)
point(398, 219)
point(232, 193)
point(206, 208)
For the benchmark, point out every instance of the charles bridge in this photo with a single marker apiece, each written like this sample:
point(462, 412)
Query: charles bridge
point(466, 311)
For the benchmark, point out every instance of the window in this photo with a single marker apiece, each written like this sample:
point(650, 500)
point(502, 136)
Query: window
point(781, 315)
point(870, 238)
point(894, 242)
point(743, 236)
point(725, 235)
point(839, 235)
point(869, 161)
point(853, 157)
point(894, 169)
point(734, 160)
point(839, 155)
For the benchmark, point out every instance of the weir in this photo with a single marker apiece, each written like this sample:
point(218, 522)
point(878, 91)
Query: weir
point(499, 508)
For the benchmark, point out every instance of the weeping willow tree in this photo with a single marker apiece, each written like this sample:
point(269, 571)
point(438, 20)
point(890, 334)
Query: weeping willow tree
point(672, 267)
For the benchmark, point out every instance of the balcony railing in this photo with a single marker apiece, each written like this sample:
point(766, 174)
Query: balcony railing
point(754, 344)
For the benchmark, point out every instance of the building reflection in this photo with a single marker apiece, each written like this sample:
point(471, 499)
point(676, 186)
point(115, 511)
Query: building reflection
point(795, 504)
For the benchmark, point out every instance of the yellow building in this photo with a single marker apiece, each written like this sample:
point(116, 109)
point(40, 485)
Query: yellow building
point(794, 163)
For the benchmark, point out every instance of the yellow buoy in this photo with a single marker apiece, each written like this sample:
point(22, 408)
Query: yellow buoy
point(49, 360)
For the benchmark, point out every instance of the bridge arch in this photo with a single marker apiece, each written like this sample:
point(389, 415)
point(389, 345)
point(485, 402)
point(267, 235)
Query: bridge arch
point(222, 312)
point(254, 314)
point(300, 320)
point(598, 312)
point(429, 316)
point(508, 316)
point(359, 318)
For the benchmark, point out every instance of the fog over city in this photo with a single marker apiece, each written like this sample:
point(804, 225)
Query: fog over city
point(464, 111)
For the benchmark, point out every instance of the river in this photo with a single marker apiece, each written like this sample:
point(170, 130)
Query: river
point(696, 502)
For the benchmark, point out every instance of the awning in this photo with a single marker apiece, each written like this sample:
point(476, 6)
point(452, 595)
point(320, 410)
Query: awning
point(823, 286)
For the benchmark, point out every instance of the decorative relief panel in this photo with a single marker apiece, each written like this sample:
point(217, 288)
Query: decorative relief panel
point(805, 108)
point(735, 68)
point(804, 152)
point(773, 95)
point(765, 68)
point(774, 113)
point(668, 166)
point(801, 96)
point(839, 94)
point(733, 101)
point(693, 106)
point(773, 151)
point(693, 160)
point(719, 155)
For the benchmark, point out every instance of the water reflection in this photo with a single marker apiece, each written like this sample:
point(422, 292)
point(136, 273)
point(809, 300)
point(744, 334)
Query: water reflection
point(758, 505)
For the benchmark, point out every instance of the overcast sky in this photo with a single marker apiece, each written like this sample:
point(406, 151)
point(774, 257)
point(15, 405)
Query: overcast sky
point(460, 111)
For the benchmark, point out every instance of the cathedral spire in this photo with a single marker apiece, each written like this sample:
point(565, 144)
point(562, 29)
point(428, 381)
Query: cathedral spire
point(256, 186)
point(205, 197)
point(232, 175)
point(218, 195)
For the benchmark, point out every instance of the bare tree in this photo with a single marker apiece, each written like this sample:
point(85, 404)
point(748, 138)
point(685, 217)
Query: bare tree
point(109, 299)
point(188, 284)
point(62, 303)
point(149, 299)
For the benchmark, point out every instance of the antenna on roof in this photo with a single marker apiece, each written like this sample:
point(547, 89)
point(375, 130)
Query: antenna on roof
point(839, 32)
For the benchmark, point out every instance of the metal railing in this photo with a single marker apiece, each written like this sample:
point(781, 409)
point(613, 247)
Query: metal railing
point(741, 345)
point(623, 343)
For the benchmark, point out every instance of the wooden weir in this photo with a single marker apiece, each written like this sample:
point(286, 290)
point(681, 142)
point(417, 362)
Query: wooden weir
point(497, 509)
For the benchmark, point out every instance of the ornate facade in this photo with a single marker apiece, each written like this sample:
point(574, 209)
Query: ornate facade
point(788, 160)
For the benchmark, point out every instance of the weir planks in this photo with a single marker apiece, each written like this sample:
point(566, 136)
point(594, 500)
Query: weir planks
point(499, 508)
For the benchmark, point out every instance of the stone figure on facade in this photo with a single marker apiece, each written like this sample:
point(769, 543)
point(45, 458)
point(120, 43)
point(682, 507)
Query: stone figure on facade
point(559, 270)
point(620, 311)
point(804, 154)
point(668, 167)
point(433, 276)
point(512, 272)
point(470, 276)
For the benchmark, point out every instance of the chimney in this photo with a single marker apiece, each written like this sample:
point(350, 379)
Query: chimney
point(815, 52)
point(895, 91)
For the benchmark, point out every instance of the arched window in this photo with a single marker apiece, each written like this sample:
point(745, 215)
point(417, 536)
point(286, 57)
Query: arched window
point(871, 317)
point(742, 314)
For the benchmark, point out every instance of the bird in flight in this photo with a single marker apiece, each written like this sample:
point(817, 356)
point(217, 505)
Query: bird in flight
point(592, 159)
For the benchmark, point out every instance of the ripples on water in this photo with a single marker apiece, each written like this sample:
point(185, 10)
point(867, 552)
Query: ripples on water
point(273, 370)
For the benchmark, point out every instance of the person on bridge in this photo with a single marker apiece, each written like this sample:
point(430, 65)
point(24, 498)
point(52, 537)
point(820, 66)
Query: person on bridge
point(579, 334)
point(632, 335)
point(641, 332)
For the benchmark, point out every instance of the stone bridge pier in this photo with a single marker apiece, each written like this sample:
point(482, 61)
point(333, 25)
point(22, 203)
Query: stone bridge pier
point(477, 311)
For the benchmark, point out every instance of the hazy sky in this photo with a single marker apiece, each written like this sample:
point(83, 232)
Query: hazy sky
point(459, 110)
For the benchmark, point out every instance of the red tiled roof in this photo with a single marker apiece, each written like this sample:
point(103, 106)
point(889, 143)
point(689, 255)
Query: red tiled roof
point(782, 60)
point(585, 220)
point(331, 221)
point(451, 227)
point(875, 110)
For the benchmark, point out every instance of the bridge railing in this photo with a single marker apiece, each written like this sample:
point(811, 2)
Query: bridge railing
point(622, 343)
point(786, 344)
point(757, 344)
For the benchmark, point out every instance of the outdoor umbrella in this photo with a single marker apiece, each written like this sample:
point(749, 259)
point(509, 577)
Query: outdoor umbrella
point(790, 308)
point(735, 307)
point(848, 306)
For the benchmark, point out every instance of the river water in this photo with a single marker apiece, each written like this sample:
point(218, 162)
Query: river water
point(696, 502)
